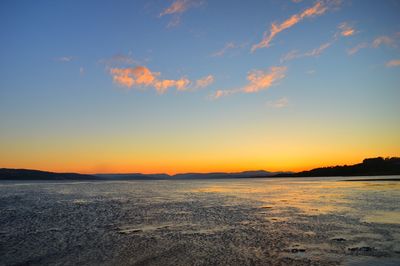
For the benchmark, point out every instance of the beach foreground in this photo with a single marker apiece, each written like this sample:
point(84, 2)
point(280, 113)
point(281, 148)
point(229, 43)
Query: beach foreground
point(285, 221)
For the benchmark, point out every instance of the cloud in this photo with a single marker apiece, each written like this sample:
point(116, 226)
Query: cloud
point(261, 80)
point(229, 45)
point(222, 93)
point(313, 53)
point(141, 76)
point(311, 72)
point(204, 82)
point(356, 48)
point(119, 59)
point(177, 8)
point(258, 80)
point(81, 70)
point(64, 58)
point(318, 9)
point(393, 63)
point(318, 51)
point(280, 103)
point(290, 56)
point(346, 30)
point(386, 40)
point(390, 41)
point(162, 85)
point(134, 76)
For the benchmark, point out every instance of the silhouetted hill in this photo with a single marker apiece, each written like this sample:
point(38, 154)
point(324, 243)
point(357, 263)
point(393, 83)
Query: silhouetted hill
point(369, 167)
point(221, 175)
point(133, 176)
point(25, 174)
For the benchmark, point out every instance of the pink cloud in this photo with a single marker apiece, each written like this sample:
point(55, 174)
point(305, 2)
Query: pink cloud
point(141, 76)
point(204, 82)
point(261, 80)
point(346, 30)
point(393, 63)
point(318, 9)
point(258, 80)
point(177, 8)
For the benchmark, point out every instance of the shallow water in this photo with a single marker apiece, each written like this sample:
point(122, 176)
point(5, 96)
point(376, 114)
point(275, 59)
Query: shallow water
point(286, 221)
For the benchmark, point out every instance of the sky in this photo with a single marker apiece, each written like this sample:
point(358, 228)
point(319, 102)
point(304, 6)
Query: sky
point(197, 86)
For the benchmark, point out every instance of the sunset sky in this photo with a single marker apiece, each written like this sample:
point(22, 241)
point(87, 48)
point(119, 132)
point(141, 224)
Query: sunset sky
point(197, 86)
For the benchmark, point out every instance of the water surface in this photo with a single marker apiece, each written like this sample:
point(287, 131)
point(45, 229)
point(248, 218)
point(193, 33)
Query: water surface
point(286, 221)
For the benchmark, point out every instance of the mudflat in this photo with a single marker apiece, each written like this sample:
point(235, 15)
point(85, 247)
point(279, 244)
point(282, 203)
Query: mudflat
point(281, 221)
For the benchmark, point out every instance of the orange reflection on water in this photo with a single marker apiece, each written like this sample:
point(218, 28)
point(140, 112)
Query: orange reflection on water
point(306, 195)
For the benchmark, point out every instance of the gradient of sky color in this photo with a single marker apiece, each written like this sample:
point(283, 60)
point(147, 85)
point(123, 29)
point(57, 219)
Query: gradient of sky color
point(197, 86)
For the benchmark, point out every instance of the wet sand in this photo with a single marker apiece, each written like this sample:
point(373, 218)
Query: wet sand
point(302, 221)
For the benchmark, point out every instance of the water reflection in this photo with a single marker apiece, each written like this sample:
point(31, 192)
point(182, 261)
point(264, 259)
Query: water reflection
point(320, 196)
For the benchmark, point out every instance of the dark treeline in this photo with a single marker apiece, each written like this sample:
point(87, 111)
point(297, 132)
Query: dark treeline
point(369, 167)
point(25, 174)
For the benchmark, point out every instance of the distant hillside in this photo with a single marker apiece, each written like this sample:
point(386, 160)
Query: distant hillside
point(221, 175)
point(133, 176)
point(369, 167)
point(24, 174)
point(216, 175)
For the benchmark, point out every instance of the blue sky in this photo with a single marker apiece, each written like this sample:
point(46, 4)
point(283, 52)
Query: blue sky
point(144, 85)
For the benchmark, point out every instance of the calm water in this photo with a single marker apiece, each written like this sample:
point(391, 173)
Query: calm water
point(303, 221)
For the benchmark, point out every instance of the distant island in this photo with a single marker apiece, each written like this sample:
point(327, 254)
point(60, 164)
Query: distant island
point(369, 167)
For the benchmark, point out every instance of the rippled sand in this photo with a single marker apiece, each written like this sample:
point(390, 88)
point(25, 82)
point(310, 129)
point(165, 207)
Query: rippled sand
point(314, 221)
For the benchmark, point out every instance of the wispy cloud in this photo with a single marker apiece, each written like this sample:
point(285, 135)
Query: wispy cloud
point(261, 80)
point(294, 54)
point(204, 82)
point(64, 58)
point(317, 9)
point(81, 70)
point(383, 40)
point(228, 46)
point(258, 80)
point(393, 63)
point(356, 48)
point(142, 77)
point(346, 29)
point(318, 51)
point(311, 72)
point(177, 8)
point(280, 103)
point(119, 59)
